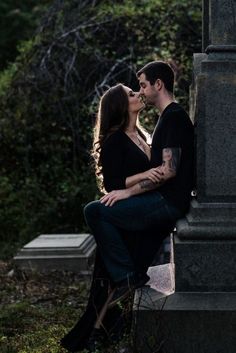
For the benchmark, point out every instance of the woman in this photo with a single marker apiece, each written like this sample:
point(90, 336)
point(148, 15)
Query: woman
point(122, 159)
point(121, 153)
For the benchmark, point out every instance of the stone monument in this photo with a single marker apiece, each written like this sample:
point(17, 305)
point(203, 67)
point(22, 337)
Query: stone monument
point(64, 252)
point(200, 317)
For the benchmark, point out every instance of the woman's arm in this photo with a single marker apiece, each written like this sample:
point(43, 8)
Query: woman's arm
point(113, 156)
point(168, 170)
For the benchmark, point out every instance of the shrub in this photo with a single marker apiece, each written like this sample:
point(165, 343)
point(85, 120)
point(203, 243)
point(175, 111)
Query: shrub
point(49, 100)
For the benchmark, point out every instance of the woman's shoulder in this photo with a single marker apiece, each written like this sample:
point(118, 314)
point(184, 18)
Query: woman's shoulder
point(113, 145)
point(114, 138)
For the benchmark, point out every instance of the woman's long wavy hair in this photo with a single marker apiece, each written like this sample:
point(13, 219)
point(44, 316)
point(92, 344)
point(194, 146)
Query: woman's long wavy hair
point(112, 115)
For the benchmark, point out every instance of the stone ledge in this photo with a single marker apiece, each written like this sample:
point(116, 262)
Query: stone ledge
point(72, 252)
point(187, 323)
point(184, 301)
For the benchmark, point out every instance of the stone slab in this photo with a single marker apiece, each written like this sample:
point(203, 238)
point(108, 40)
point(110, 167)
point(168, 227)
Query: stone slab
point(205, 25)
point(208, 221)
point(187, 323)
point(222, 21)
point(72, 252)
point(216, 127)
point(213, 213)
point(202, 265)
point(197, 60)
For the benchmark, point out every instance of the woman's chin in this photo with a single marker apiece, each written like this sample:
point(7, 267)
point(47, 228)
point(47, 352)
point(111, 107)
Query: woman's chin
point(142, 107)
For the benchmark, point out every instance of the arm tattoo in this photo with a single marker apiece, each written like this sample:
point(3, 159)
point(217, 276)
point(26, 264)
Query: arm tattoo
point(170, 165)
point(147, 184)
point(171, 158)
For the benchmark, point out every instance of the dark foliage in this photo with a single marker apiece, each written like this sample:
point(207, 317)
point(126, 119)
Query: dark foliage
point(17, 21)
point(49, 100)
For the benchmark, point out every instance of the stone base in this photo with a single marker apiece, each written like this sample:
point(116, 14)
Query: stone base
point(205, 265)
point(214, 221)
point(186, 323)
point(205, 248)
point(71, 252)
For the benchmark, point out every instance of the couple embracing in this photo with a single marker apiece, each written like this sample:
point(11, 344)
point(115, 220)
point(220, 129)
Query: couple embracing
point(148, 187)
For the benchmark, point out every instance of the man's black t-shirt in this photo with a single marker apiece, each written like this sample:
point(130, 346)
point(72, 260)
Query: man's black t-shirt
point(175, 129)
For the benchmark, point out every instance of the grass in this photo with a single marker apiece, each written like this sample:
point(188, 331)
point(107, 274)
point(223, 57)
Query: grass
point(28, 328)
point(37, 309)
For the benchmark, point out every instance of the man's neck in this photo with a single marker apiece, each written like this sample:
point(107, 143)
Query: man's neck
point(164, 102)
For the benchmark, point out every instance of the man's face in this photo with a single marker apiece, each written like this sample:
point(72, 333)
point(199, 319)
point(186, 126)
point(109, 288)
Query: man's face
point(147, 90)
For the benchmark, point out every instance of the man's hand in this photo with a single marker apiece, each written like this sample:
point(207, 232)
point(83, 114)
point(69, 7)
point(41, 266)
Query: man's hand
point(114, 196)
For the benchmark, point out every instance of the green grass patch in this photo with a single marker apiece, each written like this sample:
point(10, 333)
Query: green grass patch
point(37, 310)
point(30, 329)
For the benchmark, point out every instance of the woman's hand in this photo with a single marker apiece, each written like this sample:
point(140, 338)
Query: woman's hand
point(154, 174)
point(114, 196)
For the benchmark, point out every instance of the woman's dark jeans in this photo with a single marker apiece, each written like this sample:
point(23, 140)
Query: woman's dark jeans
point(137, 213)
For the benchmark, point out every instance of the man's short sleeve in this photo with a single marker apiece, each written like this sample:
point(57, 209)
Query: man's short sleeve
point(173, 131)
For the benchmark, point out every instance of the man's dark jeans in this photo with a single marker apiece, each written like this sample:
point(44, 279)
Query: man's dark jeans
point(137, 213)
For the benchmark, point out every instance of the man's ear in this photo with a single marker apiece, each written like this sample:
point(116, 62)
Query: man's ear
point(158, 84)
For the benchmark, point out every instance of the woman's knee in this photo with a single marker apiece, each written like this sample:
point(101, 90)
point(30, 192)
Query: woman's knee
point(91, 210)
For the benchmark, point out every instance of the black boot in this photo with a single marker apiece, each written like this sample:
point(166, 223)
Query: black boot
point(127, 287)
point(96, 341)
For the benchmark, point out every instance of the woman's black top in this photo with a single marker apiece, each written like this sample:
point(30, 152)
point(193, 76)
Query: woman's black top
point(121, 158)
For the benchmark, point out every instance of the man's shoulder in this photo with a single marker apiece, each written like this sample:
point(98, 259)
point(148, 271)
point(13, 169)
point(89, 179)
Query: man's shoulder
point(176, 114)
point(175, 109)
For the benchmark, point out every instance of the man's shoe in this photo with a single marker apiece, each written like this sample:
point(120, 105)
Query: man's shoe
point(127, 287)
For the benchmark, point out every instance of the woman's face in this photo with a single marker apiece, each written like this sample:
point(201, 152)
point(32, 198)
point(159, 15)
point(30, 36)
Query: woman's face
point(135, 100)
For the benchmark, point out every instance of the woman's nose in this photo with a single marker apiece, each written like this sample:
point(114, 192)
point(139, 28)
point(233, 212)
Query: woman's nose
point(141, 91)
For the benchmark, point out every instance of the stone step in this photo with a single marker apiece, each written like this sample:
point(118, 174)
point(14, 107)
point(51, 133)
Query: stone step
point(186, 322)
point(72, 252)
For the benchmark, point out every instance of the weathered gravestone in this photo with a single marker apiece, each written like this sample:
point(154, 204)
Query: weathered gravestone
point(200, 317)
point(72, 252)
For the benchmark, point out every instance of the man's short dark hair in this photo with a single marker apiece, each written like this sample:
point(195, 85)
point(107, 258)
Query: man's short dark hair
point(159, 70)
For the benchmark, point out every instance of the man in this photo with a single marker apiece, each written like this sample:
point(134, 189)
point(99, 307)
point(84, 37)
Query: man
point(140, 209)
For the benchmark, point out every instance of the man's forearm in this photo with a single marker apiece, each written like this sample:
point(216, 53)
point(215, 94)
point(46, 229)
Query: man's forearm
point(143, 186)
point(147, 185)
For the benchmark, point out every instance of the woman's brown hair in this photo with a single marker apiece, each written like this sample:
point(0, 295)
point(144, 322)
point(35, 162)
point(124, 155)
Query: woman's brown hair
point(112, 115)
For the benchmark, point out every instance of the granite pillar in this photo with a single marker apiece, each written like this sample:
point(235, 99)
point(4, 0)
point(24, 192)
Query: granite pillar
point(201, 315)
point(205, 24)
point(205, 244)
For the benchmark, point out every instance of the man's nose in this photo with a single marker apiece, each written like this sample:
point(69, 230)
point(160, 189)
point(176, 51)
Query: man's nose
point(141, 93)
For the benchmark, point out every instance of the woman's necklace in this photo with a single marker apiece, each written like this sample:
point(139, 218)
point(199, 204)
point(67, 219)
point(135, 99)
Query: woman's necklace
point(139, 140)
point(136, 138)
